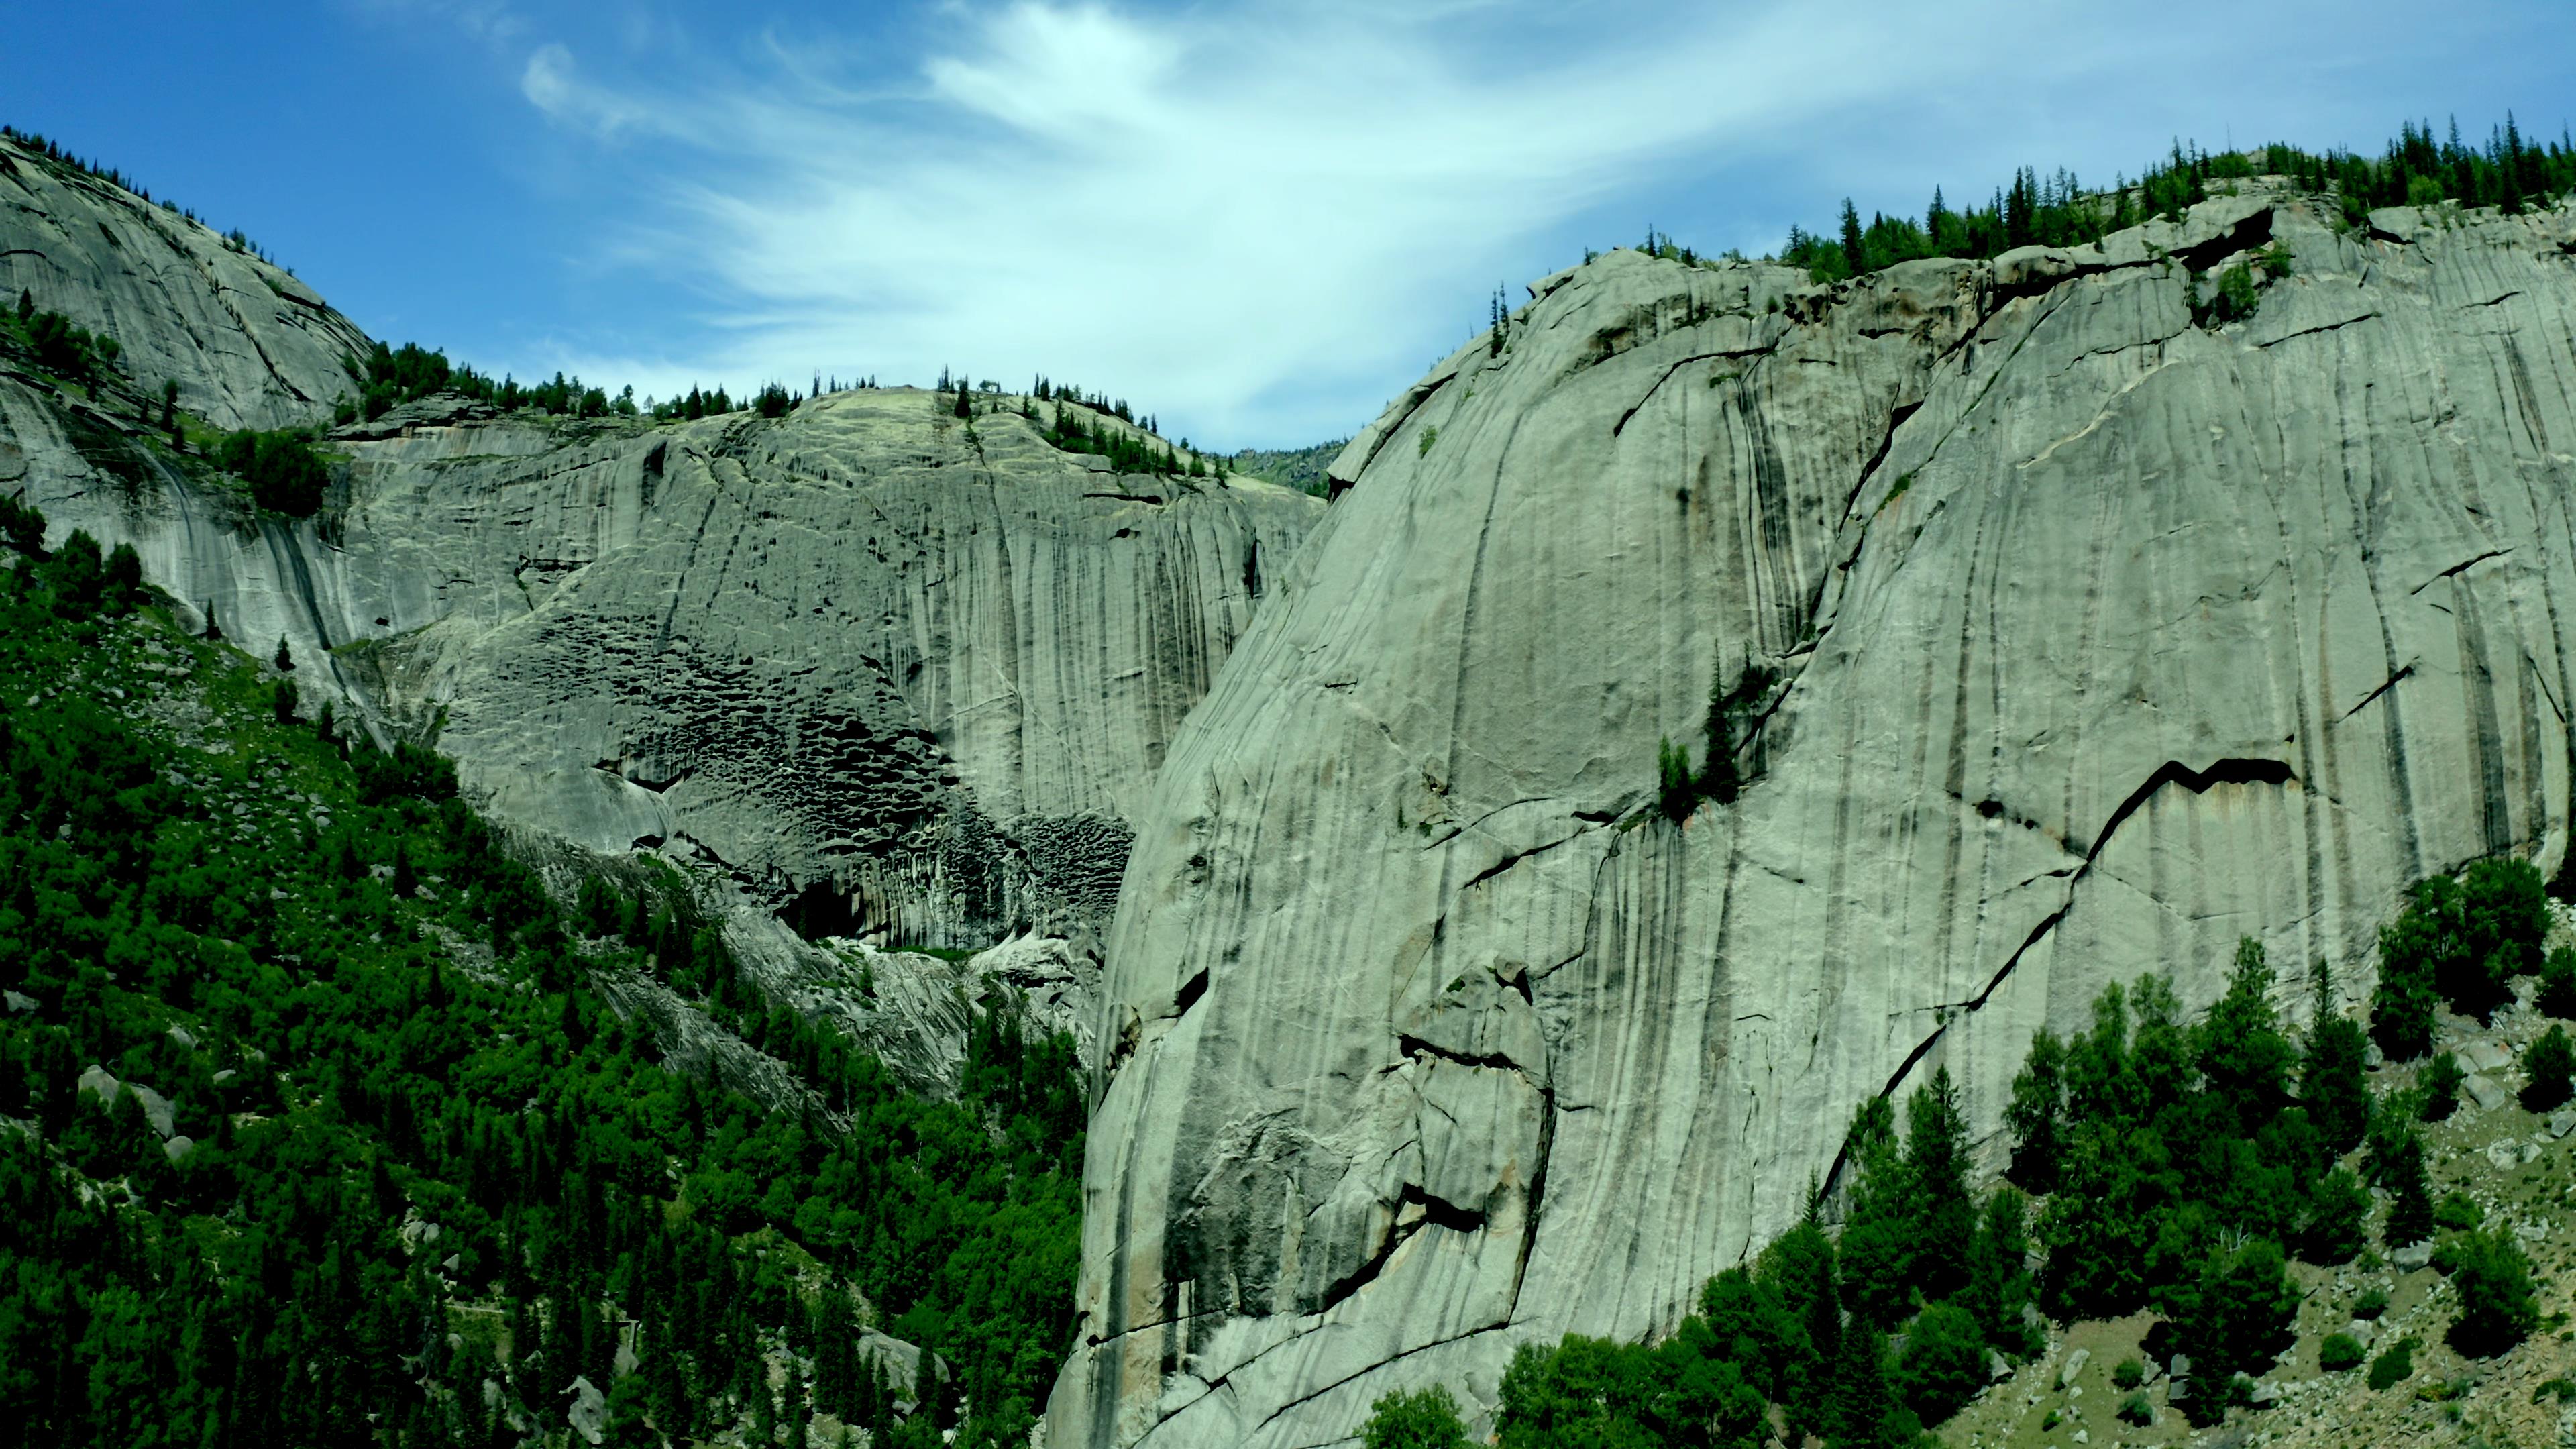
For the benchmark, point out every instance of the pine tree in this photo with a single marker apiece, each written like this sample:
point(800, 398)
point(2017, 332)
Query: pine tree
point(1860, 1404)
point(2036, 1114)
point(1943, 1214)
point(2410, 1191)
point(1855, 254)
point(2331, 1084)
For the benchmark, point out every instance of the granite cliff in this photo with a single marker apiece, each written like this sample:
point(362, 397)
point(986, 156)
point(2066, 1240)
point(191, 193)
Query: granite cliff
point(884, 674)
point(2068, 634)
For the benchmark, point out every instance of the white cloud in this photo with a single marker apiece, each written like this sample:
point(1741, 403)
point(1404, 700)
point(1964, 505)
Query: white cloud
point(1256, 224)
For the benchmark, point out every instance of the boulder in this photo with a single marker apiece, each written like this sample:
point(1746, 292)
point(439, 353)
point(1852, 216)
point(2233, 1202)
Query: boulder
point(2074, 1365)
point(2485, 1054)
point(2486, 1091)
point(2561, 1122)
point(588, 1410)
point(2413, 1255)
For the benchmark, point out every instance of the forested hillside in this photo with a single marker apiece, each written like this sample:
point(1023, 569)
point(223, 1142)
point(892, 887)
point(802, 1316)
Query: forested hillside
point(316, 1127)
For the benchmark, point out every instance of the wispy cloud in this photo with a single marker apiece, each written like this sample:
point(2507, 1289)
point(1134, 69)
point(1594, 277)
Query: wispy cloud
point(1256, 224)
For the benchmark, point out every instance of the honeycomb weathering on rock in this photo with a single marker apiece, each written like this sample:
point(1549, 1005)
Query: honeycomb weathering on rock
point(2105, 639)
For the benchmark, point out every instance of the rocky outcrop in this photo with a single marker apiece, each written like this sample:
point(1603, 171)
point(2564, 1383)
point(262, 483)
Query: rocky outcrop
point(898, 676)
point(249, 345)
point(2103, 638)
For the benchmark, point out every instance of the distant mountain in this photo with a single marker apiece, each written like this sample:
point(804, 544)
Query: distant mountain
point(1298, 468)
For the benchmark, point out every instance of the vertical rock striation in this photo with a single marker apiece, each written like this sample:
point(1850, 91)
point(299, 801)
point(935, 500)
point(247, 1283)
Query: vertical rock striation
point(2101, 639)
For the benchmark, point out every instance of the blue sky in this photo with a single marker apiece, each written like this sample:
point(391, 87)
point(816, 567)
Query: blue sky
point(1256, 221)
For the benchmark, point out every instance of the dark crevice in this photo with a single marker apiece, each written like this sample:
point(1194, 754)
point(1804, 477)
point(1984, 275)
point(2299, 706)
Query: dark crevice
point(2328, 327)
point(2458, 567)
point(1414, 1046)
point(1435, 1213)
point(2391, 683)
point(1869, 470)
point(1151, 498)
point(1648, 396)
point(1189, 994)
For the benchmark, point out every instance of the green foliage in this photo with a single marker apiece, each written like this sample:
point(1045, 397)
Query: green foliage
point(390, 376)
point(2493, 1279)
point(1944, 1364)
point(1085, 428)
point(1674, 795)
point(340, 1068)
point(2457, 940)
point(2412, 949)
point(2395, 1365)
point(2136, 1408)
point(774, 401)
point(2547, 1067)
point(2333, 1084)
point(2036, 1112)
point(1591, 1391)
point(58, 346)
point(2415, 169)
point(2558, 984)
point(2458, 1212)
point(2338, 1219)
point(284, 473)
point(2438, 1087)
point(2244, 1057)
point(1430, 435)
point(1419, 1419)
point(2410, 1192)
point(2128, 1373)
point(2372, 1303)
point(2235, 300)
point(2234, 1316)
point(2340, 1352)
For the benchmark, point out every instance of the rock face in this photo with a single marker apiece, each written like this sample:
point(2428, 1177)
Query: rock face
point(2103, 638)
point(250, 345)
point(899, 676)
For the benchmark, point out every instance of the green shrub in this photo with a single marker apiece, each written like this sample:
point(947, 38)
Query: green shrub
point(2439, 1087)
point(1430, 435)
point(2338, 1215)
point(2493, 1278)
point(2395, 1365)
point(2138, 1409)
point(2372, 1303)
point(2547, 1068)
point(2339, 1352)
point(2128, 1374)
point(1421, 1419)
point(1944, 1363)
point(2558, 984)
point(1676, 796)
point(2458, 1212)
point(285, 474)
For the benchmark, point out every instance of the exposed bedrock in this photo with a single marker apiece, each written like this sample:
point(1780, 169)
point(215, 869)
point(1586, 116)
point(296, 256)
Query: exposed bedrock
point(2104, 640)
point(249, 345)
point(899, 682)
point(902, 678)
